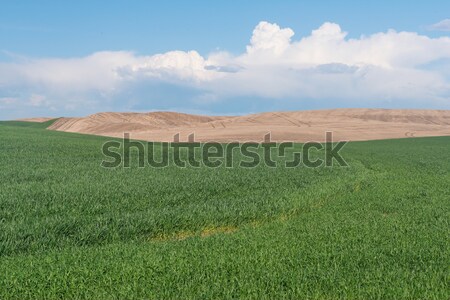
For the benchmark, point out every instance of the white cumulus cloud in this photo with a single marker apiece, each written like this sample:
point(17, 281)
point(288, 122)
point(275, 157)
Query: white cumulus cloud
point(387, 67)
point(270, 37)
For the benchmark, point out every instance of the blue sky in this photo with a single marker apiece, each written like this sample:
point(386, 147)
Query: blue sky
point(45, 36)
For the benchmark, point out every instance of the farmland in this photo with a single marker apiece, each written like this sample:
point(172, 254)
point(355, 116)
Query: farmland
point(71, 229)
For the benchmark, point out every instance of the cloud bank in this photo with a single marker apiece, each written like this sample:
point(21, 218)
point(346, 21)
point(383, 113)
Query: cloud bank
point(390, 69)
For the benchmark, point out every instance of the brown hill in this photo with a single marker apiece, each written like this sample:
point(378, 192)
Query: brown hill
point(111, 123)
point(301, 126)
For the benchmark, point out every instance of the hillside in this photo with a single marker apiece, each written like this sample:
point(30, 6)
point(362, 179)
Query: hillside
point(300, 126)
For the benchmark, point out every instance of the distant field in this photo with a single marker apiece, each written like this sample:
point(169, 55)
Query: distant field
point(353, 124)
point(72, 229)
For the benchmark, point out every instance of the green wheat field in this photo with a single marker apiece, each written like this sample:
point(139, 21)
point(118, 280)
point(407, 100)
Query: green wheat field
point(377, 229)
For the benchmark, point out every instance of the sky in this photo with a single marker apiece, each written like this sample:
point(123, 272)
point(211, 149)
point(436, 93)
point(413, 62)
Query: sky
point(221, 57)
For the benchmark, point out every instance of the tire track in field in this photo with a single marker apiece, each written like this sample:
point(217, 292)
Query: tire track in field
point(296, 210)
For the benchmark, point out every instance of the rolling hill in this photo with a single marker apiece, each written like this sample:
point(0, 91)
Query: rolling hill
point(299, 126)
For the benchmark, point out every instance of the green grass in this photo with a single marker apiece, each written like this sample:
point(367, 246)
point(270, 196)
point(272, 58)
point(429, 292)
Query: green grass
point(72, 229)
point(41, 125)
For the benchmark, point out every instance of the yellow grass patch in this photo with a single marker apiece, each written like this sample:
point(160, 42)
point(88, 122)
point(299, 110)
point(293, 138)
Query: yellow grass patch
point(215, 230)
